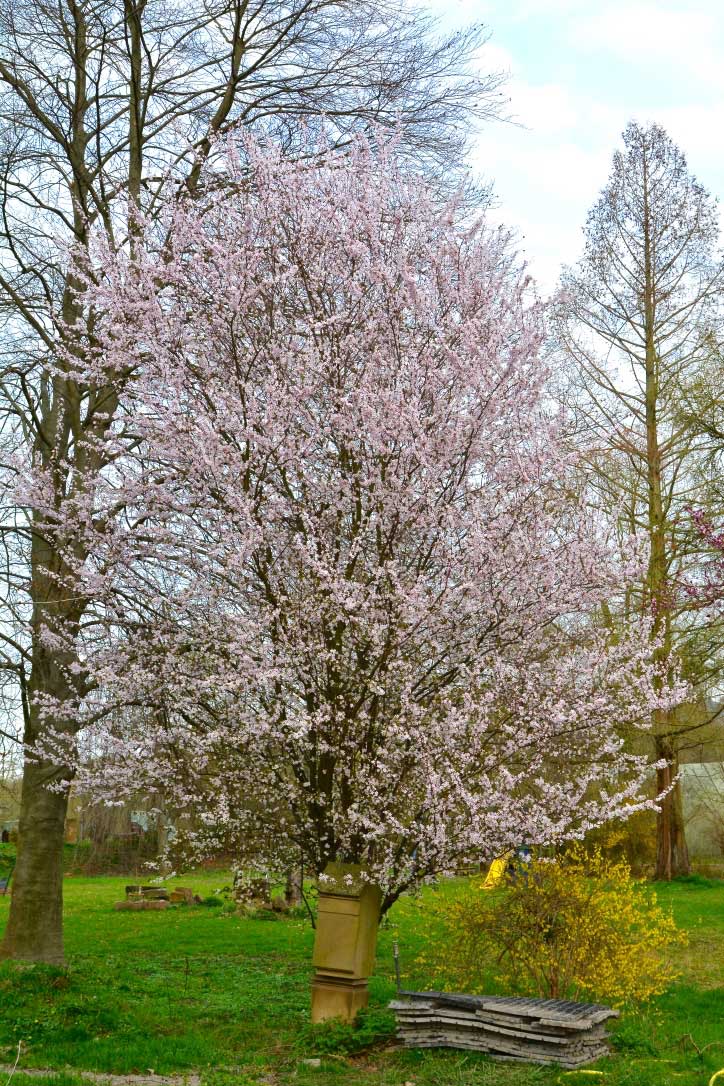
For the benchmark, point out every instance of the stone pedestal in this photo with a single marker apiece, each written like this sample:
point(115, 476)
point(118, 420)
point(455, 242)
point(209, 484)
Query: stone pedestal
point(344, 945)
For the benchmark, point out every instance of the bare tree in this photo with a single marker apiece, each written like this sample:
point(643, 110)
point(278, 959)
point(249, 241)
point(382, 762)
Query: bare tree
point(100, 102)
point(634, 320)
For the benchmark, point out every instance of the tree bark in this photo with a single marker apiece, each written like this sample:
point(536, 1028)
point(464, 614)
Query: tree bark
point(672, 854)
point(35, 926)
point(293, 887)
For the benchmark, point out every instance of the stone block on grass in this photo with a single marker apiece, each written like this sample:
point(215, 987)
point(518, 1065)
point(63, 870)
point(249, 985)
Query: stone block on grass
point(140, 906)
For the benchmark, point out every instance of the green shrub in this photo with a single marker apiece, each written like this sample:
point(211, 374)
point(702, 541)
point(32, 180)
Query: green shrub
point(7, 856)
point(370, 1027)
point(696, 882)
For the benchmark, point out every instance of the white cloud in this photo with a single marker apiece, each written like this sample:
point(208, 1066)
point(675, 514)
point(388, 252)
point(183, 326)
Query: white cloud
point(544, 191)
point(548, 108)
point(527, 9)
point(646, 34)
point(696, 128)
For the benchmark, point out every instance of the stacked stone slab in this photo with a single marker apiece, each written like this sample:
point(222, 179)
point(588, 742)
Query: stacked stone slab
point(532, 1030)
point(148, 898)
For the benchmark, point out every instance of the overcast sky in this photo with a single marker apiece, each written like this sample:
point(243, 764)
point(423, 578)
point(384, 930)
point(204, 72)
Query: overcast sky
point(579, 71)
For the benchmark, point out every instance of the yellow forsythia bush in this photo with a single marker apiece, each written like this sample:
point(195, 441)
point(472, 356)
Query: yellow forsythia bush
point(578, 927)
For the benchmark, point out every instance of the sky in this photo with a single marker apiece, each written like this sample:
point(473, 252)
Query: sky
point(578, 72)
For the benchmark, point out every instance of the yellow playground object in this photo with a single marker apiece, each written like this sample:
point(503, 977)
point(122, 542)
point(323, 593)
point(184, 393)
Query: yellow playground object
point(497, 871)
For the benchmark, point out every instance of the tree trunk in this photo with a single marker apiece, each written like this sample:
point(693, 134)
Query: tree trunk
point(672, 855)
point(35, 926)
point(293, 887)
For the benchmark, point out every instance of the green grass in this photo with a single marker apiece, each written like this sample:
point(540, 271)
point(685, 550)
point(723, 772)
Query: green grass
point(200, 989)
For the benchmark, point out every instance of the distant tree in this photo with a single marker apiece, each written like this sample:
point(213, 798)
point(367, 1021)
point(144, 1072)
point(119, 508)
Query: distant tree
point(634, 320)
point(100, 101)
point(378, 646)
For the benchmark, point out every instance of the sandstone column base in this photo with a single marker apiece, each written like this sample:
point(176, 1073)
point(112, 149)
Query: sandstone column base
point(333, 997)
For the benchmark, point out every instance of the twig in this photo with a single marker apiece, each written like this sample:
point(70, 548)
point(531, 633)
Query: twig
point(308, 908)
point(699, 1050)
point(15, 1065)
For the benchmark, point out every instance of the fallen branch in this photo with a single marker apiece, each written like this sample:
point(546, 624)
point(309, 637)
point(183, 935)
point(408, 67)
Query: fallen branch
point(700, 1050)
point(15, 1065)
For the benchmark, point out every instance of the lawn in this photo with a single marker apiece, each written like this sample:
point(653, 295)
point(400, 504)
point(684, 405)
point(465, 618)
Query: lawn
point(205, 990)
